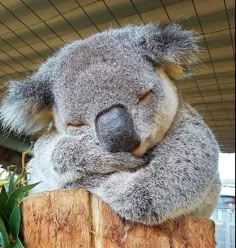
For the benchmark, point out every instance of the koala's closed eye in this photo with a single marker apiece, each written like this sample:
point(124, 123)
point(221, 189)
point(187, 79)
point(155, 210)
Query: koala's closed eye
point(76, 124)
point(144, 96)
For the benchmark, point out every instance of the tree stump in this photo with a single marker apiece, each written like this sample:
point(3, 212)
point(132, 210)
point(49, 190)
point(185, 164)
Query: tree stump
point(75, 218)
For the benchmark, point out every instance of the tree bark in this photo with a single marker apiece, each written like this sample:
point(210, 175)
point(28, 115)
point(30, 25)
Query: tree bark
point(75, 218)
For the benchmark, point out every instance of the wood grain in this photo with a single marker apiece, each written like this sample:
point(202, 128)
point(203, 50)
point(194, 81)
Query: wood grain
point(75, 218)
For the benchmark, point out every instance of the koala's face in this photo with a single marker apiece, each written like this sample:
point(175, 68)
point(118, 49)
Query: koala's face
point(114, 85)
point(112, 91)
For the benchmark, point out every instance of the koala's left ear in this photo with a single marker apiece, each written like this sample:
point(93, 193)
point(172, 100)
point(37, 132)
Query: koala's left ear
point(27, 106)
point(171, 47)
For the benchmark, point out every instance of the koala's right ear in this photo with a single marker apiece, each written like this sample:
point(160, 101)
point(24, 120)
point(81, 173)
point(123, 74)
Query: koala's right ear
point(171, 47)
point(27, 106)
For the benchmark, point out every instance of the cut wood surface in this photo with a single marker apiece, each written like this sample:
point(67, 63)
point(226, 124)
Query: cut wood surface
point(75, 218)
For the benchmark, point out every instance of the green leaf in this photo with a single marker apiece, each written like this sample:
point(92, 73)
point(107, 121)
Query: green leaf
point(3, 200)
point(11, 187)
point(19, 179)
point(17, 195)
point(4, 234)
point(18, 244)
point(12, 201)
point(11, 167)
point(1, 240)
point(14, 221)
point(27, 187)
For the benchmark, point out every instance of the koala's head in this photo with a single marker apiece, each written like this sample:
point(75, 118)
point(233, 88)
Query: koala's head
point(115, 84)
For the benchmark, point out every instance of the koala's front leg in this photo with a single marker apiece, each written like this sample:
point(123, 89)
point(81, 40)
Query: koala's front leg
point(151, 195)
point(130, 196)
point(60, 159)
point(81, 157)
point(181, 178)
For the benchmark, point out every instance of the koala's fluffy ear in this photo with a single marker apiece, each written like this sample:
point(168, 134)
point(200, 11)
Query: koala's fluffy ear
point(27, 106)
point(171, 47)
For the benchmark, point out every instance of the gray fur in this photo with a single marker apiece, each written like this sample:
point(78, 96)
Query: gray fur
point(178, 173)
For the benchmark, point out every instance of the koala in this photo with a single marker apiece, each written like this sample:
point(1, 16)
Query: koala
point(111, 121)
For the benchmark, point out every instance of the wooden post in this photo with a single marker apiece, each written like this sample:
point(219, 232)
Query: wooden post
point(75, 218)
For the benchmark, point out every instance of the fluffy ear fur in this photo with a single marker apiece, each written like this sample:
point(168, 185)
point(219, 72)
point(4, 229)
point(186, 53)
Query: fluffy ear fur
point(27, 106)
point(170, 47)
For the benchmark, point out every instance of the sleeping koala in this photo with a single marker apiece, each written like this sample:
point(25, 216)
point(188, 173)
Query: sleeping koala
point(121, 129)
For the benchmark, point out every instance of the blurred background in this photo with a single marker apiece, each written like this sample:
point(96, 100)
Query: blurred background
point(32, 30)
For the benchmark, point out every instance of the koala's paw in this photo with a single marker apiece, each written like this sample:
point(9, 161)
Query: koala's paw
point(74, 156)
point(137, 209)
point(129, 198)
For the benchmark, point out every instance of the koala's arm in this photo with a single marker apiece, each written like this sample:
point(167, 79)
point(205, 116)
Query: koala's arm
point(178, 179)
point(59, 160)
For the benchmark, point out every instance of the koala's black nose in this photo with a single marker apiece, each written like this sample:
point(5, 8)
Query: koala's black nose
point(115, 130)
